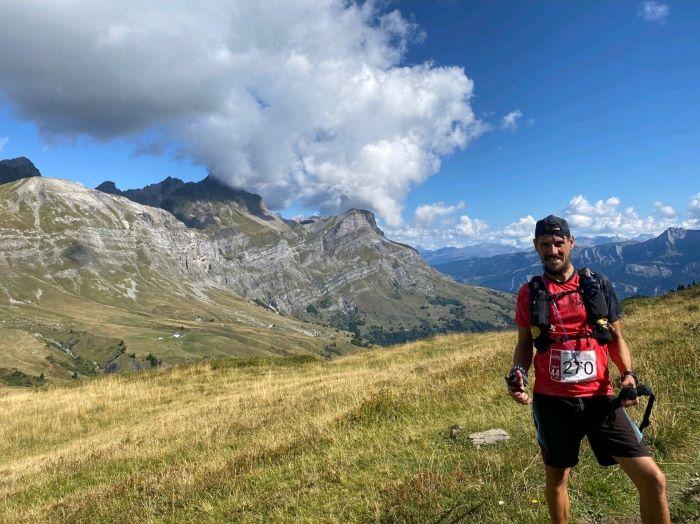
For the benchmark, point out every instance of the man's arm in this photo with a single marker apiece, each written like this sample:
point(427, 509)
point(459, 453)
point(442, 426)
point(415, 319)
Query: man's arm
point(620, 355)
point(522, 356)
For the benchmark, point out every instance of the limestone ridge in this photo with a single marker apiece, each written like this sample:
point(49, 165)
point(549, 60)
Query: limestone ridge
point(204, 237)
point(16, 169)
point(197, 204)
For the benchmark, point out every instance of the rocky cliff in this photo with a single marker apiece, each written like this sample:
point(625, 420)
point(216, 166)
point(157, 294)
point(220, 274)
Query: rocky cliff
point(203, 238)
point(340, 270)
point(17, 168)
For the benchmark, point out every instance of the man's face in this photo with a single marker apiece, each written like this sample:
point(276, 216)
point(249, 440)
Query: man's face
point(554, 252)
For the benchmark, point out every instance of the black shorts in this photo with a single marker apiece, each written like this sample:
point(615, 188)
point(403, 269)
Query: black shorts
point(562, 422)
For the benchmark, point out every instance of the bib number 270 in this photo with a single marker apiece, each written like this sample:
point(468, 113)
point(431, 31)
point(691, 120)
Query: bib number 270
point(572, 366)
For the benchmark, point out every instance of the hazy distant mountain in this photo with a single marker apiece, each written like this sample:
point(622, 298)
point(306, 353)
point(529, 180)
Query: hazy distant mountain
point(450, 254)
point(436, 257)
point(600, 240)
point(650, 267)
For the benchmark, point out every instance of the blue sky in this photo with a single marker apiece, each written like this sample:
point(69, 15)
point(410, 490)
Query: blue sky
point(603, 105)
point(613, 98)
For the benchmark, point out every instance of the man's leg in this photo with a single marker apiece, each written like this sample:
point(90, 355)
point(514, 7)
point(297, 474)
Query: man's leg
point(557, 493)
point(651, 483)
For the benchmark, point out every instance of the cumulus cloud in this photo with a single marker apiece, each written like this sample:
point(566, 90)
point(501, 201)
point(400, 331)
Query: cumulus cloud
point(664, 210)
point(519, 233)
point(510, 121)
point(654, 12)
point(427, 237)
point(427, 213)
point(471, 227)
point(694, 212)
point(3, 142)
point(605, 217)
point(300, 100)
point(450, 231)
point(694, 206)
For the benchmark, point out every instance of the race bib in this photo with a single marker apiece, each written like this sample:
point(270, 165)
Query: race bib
point(572, 366)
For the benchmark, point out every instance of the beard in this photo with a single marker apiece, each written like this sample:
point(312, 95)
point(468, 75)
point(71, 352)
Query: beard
point(556, 265)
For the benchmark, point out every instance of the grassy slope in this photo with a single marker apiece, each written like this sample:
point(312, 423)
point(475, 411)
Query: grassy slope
point(362, 437)
point(224, 326)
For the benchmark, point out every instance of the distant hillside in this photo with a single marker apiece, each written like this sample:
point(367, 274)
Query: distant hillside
point(450, 254)
point(361, 438)
point(649, 268)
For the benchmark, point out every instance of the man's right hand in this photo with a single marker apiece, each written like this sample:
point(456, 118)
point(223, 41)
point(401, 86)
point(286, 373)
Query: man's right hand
point(517, 389)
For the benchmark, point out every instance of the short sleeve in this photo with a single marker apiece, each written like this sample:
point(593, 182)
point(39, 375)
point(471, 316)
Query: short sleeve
point(522, 307)
point(614, 308)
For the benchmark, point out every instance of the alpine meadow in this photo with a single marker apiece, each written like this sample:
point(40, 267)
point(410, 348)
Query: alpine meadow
point(363, 437)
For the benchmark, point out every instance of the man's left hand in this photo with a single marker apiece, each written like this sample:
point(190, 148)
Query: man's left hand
point(629, 381)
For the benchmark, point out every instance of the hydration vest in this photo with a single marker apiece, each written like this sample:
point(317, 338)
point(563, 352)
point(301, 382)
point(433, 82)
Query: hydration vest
point(591, 289)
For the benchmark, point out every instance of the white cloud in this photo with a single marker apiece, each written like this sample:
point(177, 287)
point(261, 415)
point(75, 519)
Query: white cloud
point(471, 227)
point(694, 206)
point(428, 237)
point(449, 232)
point(664, 210)
point(3, 142)
point(605, 218)
point(510, 121)
point(302, 100)
point(427, 213)
point(694, 211)
point(519, 233)
point(467, 231)
point(654, 12)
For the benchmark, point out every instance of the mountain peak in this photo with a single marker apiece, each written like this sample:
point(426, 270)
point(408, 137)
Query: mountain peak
point(109, 187)
point(13, 169)
point(196, 203)
point(356, 219)
point(674, 233)
point(150, 195)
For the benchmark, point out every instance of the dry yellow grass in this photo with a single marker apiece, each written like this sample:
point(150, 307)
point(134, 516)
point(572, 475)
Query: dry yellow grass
point(363, 437)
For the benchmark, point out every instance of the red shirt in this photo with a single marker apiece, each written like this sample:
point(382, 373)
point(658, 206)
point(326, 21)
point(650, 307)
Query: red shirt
point(575, 365)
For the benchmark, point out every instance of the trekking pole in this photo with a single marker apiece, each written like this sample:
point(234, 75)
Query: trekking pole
point(630, 393)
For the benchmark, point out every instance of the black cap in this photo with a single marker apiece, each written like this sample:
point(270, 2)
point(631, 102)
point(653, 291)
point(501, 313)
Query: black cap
point(552, 225)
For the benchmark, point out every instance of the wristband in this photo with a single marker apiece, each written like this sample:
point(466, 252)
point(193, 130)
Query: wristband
point(631, 373)
point(511, 376)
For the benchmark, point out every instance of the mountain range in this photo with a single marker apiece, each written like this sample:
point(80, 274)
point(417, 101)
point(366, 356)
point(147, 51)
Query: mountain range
point(435, 257)
point(650, 267)
point(185, 270)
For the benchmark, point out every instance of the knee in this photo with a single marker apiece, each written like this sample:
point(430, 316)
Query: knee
point(557, 479)
point(654, 482)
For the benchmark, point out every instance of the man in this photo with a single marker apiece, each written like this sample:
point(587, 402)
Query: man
point(573, 395)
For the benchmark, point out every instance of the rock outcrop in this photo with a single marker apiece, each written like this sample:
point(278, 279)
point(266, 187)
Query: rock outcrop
point(17, 168)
